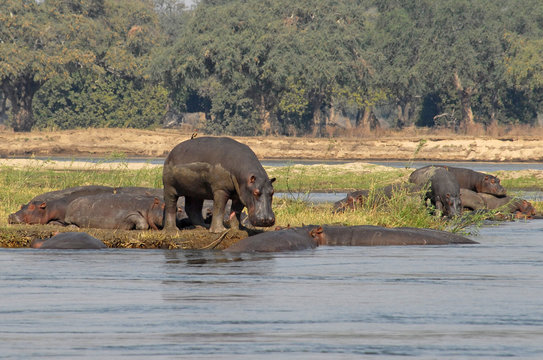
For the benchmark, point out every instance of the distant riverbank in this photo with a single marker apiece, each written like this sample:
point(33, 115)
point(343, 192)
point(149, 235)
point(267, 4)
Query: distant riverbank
point(113, 143)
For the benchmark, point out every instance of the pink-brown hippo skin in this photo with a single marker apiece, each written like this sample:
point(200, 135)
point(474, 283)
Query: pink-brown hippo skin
point(116, 211)
point(69, 240)
point(519, 207)
point(216, 168)
point(358, 197)
point(50, 207)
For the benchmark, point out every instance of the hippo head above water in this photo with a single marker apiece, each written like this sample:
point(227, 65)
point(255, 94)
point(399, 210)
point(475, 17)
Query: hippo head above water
point(491, 185)
point(256, 193)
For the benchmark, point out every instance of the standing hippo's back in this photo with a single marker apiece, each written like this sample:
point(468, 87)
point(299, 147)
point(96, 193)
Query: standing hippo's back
point(233, 156)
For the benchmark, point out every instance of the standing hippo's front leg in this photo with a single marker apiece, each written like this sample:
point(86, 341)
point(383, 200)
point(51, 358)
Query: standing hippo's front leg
point(220, 197)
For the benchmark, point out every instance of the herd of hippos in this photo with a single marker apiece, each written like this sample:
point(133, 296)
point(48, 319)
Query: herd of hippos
point(219, 176)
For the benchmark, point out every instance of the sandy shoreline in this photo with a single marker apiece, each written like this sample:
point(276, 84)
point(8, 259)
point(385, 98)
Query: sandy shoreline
point(108, 143)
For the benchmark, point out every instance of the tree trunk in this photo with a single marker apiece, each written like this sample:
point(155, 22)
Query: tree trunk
point(264, 116)
point(364, 122)
point(465, 95)
point(317, 117)
point(21, 93)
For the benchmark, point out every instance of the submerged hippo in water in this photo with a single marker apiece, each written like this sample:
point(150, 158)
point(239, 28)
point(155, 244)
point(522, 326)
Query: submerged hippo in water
point(311, 236)
point(69, 240)
point(217, 168)
point(116, 211)
point(368, 235)
point(276, 241)
point(444, 190)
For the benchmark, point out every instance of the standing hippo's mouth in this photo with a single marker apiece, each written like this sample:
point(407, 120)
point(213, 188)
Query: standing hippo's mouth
point(262, 221)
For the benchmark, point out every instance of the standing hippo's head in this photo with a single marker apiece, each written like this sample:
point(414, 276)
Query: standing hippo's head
point(491, 185)
point(256, 193)
point(31, 213)
point(450, 205)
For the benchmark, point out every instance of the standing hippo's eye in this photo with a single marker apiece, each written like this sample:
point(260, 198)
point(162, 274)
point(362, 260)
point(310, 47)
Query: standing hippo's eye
point(256, 193)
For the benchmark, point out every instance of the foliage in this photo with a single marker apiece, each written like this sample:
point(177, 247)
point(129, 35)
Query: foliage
point(52, 39)
point(277, 66)
point(83, 101)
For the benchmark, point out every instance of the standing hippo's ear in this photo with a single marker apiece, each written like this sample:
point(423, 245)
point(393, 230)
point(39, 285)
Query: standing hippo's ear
point(272, 180)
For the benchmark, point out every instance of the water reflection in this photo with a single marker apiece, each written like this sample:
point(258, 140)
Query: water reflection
point(479, 301)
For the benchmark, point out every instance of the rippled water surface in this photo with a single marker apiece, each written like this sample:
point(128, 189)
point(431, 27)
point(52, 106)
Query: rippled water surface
point(478, 301)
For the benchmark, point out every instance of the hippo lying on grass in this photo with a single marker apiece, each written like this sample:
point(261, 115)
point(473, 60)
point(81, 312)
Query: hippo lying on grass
point(309, 237)
point(69, 240)
point(116, 211)
point(520, 208)
point(357, 198)
point(50, 207)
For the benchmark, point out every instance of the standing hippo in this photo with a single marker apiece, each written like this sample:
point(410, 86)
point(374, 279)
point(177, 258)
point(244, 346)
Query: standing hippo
point(216, 168)
point(368, 235)
point(116, 211)
point(69, 240)
point(289, 239)
point(444, 191)
point(50, 207)
point(476, 181)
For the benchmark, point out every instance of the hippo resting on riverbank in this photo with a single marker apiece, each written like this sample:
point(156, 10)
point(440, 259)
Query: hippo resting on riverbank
point(50, 207)
point(357, 198)
point(218, 169)
point(309, 237)
point(69, 240)
point(444, 190)
point(475, 180)
point(116, 211)
point(520, 208)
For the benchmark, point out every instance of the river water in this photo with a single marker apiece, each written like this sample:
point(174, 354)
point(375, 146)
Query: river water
point(480, 301)
point(426, 302)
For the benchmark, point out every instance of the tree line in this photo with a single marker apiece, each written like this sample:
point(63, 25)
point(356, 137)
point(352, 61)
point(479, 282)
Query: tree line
point(271, 66)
